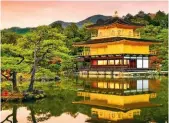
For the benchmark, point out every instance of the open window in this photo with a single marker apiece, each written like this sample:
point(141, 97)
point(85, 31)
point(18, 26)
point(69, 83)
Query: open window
point(113, 33)
point(130, 33)
point(119, 33)
point(102, 62)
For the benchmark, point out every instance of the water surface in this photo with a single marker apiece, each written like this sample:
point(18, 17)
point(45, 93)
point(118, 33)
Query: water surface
point(95, 99)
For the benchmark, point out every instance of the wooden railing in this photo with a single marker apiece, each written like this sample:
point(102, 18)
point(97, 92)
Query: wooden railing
point(133, 35)
point(87, 53)
point(112, 68)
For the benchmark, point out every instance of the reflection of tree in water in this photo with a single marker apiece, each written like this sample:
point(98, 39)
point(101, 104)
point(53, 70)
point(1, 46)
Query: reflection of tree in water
point(38, 117)
point(13, 115)
point(31, 118)
point(59, 104)
point(72, 114)
point(42, 110)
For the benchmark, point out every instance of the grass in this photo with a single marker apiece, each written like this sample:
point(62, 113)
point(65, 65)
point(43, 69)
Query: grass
point(50, 88)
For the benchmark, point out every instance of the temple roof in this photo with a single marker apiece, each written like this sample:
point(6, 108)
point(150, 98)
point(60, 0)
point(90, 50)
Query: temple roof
point(115, 39)
point(114, 20)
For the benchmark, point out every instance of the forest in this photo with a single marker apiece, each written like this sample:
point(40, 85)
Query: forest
point(47, 49)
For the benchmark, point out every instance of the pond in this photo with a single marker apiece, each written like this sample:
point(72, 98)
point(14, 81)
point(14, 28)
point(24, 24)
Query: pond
point(94, 99)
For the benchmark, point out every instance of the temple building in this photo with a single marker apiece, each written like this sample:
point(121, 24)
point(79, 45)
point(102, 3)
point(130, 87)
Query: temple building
point(115, 45)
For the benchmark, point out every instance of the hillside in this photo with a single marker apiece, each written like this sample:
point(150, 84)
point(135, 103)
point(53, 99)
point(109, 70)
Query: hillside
point(19, 30)
point(91, 19)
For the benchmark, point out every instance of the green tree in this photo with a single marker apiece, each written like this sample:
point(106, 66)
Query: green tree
point(140, 21)
point(43, 43)
point(12, 60)
point(75, 34)
point(72, 34)
point(128, 17)
point(141, 18)
point(157, 33)
point(84, 33)
point(9, 37)
point(161, 19)
point(58, 26)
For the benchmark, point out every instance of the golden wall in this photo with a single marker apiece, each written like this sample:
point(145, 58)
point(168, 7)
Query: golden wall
point(114, 32)
point(136, 49)
point(120, 49)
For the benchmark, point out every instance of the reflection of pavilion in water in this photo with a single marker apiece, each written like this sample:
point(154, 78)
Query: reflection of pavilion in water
point(125, 95)
point(98, 114)
point(123, 86)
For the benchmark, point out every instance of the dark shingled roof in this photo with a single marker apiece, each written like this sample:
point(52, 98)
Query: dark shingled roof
point(112, 20)
point(114, 39)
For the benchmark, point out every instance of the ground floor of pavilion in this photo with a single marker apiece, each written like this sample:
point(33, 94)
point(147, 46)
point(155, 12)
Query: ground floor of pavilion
point(114, 63)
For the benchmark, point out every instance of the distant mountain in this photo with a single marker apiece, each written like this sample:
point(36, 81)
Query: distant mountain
point(19, 30)
point(91, 19)
point(64, 24)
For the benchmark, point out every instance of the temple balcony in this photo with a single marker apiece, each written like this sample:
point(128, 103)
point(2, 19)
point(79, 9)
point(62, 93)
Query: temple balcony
point(88, 53)
point(109, 35)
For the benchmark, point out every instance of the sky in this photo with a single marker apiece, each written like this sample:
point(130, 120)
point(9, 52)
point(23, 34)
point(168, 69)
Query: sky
point(35, 13)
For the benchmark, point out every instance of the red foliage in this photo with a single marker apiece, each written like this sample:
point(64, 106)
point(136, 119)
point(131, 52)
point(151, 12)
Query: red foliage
point(5, 93)
point(155, 60)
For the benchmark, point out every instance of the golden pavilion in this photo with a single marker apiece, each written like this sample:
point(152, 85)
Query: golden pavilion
point(115, 45)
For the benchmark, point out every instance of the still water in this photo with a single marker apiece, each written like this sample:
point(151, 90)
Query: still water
point(95, 99)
